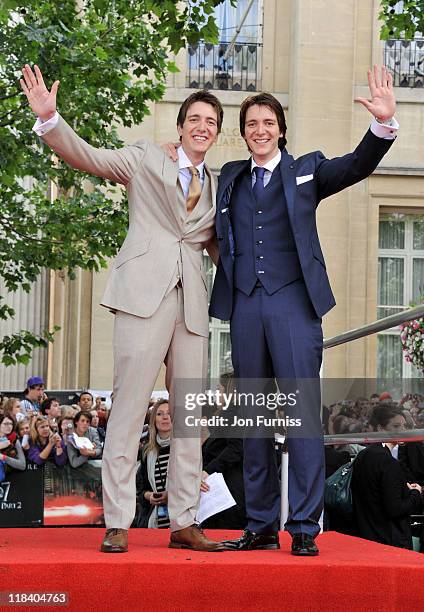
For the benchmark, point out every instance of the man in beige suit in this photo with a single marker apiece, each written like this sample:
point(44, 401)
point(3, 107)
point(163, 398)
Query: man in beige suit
point(157, 288)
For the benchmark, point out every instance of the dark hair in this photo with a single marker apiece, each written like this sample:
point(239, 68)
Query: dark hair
point(11, 418)
point(47, 404)
point(86, 393)
point(80, 414)
point(201, 96)
point(382, 414)
point(265, 99)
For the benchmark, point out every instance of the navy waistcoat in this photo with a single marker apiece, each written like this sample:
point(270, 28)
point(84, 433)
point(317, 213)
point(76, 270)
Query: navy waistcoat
point(265, 249)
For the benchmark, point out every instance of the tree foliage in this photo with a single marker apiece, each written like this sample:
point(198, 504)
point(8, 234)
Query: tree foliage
point(112, 58)
point(401, 19)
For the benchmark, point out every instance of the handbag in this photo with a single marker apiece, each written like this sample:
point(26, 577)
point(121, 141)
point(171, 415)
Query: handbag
point(338, 490)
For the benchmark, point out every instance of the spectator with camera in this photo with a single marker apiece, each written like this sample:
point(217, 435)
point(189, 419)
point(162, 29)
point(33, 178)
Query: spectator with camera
point(383, 500)
point(66, 427)
point(152, 474)
point(82, 429)
point(45, 444)
point(11, 453)
point(12, 407)
point(23, 431)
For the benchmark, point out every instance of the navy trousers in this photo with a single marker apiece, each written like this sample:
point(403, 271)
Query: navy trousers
point(280, 336)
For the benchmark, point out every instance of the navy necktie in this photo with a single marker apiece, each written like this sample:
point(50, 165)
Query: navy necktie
point(258, 187)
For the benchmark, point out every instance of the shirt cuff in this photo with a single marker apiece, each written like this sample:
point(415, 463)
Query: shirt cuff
point(388, 130)
point(43, 127)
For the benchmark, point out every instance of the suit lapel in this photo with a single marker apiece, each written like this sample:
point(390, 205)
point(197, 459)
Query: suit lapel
point(288, 176)
point(224, 182)
point(170, 178)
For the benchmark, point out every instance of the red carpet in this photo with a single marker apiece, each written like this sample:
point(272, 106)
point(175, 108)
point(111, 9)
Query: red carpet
point(350, 574)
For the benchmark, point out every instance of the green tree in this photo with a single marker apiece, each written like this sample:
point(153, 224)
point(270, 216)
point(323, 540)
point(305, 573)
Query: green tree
point(112, 59)
point(404, 23)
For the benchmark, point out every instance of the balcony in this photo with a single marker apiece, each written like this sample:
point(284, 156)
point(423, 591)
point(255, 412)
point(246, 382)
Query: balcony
point(405, 59)
point(207, 68)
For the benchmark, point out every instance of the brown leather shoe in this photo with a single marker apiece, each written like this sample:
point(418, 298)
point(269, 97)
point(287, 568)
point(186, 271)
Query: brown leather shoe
point(193, 538)
point(115, 541)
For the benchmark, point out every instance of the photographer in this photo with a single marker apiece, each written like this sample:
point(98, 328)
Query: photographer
point(45, 444)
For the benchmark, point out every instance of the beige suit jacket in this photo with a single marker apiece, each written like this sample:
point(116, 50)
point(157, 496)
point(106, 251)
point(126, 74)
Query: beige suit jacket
point(161, 236)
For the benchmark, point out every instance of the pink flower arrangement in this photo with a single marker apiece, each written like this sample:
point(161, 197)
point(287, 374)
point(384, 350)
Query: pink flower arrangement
point(412, 338)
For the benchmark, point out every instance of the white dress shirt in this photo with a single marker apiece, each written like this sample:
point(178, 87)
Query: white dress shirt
point(184, 174)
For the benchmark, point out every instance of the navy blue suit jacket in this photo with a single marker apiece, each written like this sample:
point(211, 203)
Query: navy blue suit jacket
point(329, 176)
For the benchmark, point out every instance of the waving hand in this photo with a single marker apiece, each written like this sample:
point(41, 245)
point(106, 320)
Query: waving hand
point(383, 103)
point(41, 100)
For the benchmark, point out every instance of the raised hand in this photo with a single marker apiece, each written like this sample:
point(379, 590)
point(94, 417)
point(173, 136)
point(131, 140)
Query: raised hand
point(41, 100)
point(383, 103)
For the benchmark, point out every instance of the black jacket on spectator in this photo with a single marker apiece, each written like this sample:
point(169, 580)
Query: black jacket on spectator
point(381, 499)
point(334, 459)
point(143, 507)
point(411, 457)
point(225, 455)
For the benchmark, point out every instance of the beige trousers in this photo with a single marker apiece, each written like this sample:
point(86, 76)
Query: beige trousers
point(141, 345)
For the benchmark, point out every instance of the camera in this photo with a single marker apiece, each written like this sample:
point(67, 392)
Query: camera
point(157, 495)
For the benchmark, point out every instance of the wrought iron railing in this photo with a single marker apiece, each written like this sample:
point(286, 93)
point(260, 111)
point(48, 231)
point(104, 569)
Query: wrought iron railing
point(405, 59)
point(207, 67)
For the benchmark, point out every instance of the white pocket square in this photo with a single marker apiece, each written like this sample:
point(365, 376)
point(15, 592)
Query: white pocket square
point(304, 179)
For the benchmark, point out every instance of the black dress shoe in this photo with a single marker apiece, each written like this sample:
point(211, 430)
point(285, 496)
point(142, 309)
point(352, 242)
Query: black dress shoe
point(253, 541)
point(304, 545)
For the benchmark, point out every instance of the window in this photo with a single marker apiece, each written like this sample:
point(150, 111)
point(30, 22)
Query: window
point(208, 65)
point(400, 281)
point(229, 17)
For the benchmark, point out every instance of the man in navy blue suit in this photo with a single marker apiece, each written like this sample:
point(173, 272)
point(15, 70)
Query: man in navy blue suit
point(271, 283)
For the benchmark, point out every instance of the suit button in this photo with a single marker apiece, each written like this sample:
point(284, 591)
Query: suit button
point(259, 257)
point(261, 272)
point(259, 241)
point(220, 237)
point(259, 227)
point(258, 212)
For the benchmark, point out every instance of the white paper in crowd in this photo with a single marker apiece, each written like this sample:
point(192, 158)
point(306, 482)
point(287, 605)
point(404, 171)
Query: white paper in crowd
point(80, 441)
point(217, 499)
point(24, 440)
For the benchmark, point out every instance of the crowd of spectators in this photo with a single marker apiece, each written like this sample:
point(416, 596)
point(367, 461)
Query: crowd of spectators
point(388, 477)
point(37, 428)
point(387, 483)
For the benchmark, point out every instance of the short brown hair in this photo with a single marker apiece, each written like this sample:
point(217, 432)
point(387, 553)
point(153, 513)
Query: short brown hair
point(265, 99)
point(201, 96)
point(82, 413)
